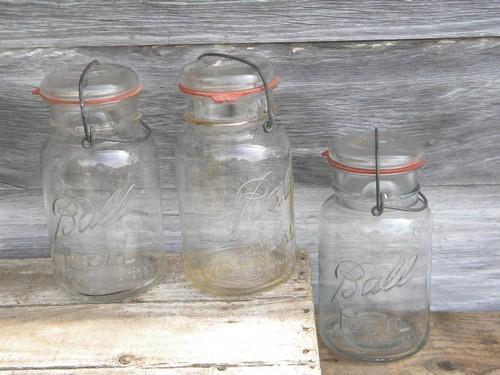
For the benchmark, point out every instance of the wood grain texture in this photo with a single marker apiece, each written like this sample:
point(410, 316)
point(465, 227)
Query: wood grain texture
point(171, 329)
point(29, 282)
point(465, 271)
point(97, 23)
point(243, 369)
point(445, 93)
point(459, 343)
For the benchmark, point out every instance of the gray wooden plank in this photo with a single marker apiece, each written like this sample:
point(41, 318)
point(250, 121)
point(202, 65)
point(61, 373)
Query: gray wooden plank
point(172, 327)
point(38, 23)
point(466, 260)
point(445, 93)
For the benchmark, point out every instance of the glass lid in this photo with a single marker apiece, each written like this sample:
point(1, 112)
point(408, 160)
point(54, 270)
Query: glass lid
point(226, 80)
point(355, 153)
point(105, 83)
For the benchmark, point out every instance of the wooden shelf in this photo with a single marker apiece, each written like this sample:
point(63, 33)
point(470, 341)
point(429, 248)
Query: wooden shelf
point(172, 329)
point(459, 343)
point(175, 329)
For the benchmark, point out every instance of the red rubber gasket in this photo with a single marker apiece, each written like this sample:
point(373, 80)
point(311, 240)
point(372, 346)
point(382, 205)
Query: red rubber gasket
point(228, 96)
point(106, 100)
point(403, 169)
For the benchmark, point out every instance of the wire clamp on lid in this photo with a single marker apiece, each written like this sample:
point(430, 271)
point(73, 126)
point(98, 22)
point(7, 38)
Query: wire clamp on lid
point(380, 205)
point(268, 125)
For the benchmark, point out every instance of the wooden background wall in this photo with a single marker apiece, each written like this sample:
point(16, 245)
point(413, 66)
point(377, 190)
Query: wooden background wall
point(427, 68)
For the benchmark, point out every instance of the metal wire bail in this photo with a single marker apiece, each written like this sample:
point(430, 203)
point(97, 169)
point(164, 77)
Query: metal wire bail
point(268, 125)
point(380, 205)
point(88, 139)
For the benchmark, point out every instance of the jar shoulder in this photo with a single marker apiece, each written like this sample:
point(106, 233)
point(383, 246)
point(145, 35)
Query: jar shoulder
point(333, 211)
point(252, 144)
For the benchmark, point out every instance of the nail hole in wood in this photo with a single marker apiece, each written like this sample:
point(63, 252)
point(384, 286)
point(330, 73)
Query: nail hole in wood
point(126, 359)
point(447, 365)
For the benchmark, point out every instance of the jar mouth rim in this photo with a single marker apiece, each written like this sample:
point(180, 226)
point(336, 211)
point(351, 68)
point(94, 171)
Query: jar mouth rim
point(417, 164)
point(135, 91)
point(221, 97)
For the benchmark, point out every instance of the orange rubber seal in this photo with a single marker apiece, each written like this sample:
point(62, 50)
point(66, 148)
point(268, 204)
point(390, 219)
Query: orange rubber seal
point(227, 96)
point(403, 169)
point(107, 100)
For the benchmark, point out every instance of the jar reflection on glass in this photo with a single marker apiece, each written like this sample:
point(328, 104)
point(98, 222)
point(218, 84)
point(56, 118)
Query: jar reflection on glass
point(374, 270)
point(102, 202)
point(235, 180)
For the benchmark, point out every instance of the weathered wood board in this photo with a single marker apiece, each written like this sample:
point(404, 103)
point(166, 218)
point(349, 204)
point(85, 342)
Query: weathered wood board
point(171, 329)
point(459, 343)
point(445, 93)
point(465, 271)
point(104, 23)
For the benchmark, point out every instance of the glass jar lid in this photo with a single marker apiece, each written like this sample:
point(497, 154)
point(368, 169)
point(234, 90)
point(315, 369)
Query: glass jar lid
point(225, 80)
point(105, 84)
point(355, 153)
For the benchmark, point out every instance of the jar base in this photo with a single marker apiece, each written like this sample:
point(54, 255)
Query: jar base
point(375, 337)
point(104, 289)
point(237, 271)
point(113, 297)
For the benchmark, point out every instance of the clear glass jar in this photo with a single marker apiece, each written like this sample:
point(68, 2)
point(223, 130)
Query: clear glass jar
point(234, 179)
point(374, 271)
point(102, 192)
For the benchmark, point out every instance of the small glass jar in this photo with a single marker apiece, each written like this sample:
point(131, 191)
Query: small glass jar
point(101, 186)
point(375, 250)
point(234, 177)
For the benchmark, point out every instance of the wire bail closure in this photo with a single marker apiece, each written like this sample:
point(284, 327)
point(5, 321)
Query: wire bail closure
point(88, 139)
point(268, 125)
point(380, 205)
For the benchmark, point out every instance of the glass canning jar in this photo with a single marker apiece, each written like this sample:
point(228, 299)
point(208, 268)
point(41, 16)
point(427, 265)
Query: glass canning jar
point(101, 185)
point(375, 254)
point(234, 177)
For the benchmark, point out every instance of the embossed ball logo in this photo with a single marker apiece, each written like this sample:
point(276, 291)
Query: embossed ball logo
point(81, 215)
point(370, 279)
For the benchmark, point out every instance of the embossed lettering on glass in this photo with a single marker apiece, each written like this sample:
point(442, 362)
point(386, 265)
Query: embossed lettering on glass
point(234, 177)
point(375, 250)
point(101, 184)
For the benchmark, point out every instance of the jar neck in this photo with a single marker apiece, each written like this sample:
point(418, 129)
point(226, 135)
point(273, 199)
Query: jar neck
point(359, 191)
point(104, 119)
point(205, 111)
point(218, 133)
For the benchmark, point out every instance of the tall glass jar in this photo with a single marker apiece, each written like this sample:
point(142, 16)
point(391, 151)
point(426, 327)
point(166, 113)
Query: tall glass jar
point(234, 177)
point(101, 185)
point(375, 254)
